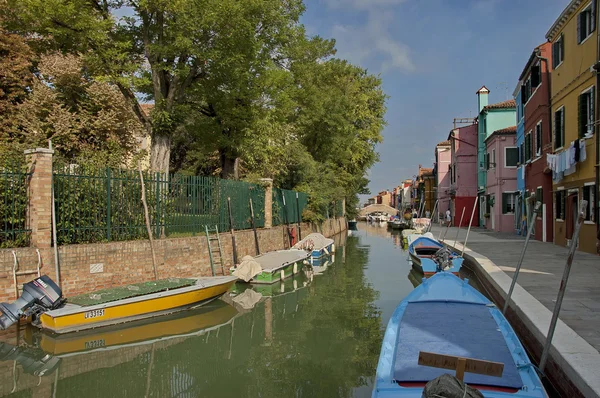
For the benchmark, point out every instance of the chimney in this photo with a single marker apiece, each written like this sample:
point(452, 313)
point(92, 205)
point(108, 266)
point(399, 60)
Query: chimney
point(482, 97)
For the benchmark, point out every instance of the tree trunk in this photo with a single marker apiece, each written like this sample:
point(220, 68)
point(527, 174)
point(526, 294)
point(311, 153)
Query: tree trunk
point(160, 153)
point(229, 165)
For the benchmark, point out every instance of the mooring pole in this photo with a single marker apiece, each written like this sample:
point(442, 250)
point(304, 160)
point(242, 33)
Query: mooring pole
point(563, 284)
point(286, 219)
point(147, 218)
point(432, 215)
point(459, 224)
point(233, 246)
point(254, 228)
point(516, 274)
point(299, 218)
point(469, 230)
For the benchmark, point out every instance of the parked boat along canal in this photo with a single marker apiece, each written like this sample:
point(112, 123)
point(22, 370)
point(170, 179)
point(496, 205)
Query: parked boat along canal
point(312, 335)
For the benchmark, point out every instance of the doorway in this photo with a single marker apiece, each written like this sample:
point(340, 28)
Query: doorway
point(571, 213)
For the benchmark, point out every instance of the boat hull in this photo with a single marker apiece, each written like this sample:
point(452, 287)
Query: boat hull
point(184, 323)
point(273, 276)
point(77, 318)
point(424, 263)
point(322, 252)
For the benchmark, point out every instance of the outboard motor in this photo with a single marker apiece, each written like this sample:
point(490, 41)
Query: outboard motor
point(39, 295)
point(33, 361)
point(442, 259)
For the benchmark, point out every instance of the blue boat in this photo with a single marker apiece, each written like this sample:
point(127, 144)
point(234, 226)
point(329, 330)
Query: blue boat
point(317, 244)
point(445, 315)
point(428, 258)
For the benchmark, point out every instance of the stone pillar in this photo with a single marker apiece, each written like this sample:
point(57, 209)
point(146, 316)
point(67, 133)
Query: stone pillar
point(267, 183)
point(39, 209)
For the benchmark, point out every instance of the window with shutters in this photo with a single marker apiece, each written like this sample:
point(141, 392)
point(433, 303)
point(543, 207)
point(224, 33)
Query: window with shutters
point(511, 156)
point(586, 113)
point(588, 195)
point(528, 146)
point(486, 161)
point(559, 128)
point(522, 153)
point(526, 90)
point(559, 205)
point(558, 51)
point(508, 202)
point(538, 139)
point(535, 76)
point(539, 198)
point(586, 23)
point(493, 162)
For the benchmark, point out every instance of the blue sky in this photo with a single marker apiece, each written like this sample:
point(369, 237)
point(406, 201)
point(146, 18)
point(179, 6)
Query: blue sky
point(433, 55)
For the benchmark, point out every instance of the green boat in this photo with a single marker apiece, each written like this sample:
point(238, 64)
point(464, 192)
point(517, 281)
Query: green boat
point(277, 265)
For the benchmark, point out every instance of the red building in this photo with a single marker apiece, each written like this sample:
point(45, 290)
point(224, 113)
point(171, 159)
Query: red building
point(535, 96)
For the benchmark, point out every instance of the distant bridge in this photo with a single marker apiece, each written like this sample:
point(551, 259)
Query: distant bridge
point(382, 208)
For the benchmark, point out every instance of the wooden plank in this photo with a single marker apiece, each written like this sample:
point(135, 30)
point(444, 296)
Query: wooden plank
point(451, 362)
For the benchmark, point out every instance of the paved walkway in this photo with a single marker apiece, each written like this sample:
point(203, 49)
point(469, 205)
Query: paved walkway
point(541, 274)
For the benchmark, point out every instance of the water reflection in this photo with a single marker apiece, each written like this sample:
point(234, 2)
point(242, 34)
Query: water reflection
point(304, 337)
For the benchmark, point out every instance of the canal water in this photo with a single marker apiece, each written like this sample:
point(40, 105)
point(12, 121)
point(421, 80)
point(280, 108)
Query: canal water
point(318, 335)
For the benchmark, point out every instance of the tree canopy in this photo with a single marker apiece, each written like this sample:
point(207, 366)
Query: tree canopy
point(237, 89)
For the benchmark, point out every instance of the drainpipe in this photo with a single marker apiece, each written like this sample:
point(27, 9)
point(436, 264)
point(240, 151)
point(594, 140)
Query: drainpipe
point(597, 117)
point(548, 79)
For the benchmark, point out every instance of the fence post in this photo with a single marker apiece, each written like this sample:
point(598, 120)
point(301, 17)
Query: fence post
point(267, 183)
point(39, 204)
point(108, 178)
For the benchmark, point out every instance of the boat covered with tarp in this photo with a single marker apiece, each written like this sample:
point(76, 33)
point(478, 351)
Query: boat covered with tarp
point(272, 266)
point(446, 318)
point(317, 244)
point(429, 256)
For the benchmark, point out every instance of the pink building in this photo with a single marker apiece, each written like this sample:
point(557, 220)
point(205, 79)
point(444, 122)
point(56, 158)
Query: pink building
point(443, 158)
point(463, 173)
point(500, 161)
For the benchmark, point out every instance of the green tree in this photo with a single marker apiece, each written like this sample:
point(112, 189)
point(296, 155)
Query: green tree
point(171, 51)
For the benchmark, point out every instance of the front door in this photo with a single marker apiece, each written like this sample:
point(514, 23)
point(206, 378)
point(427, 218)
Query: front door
point(482, 210)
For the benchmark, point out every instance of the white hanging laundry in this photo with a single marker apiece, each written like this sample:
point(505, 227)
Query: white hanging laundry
point(582, 154)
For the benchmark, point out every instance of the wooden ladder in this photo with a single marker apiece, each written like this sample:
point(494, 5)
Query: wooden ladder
point(212, 252)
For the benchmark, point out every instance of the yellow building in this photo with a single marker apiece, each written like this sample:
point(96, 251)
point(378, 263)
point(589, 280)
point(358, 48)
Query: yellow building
point(574, 50)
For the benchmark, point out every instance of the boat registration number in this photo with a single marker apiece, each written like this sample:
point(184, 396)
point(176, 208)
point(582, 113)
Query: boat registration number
point(94, 344)
point(94, 314)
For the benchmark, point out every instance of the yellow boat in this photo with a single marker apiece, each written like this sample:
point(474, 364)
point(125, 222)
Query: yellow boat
point(182, 324)
point(42, 301)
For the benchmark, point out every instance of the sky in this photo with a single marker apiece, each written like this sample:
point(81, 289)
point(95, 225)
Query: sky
point(432, 55)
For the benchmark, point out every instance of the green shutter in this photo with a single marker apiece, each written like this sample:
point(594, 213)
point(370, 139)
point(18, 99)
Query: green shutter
point(593, 18)
point(581, 119)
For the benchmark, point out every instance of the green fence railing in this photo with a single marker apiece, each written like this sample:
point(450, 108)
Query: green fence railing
point(14, 225)
point(290, 205)
point(102, 204)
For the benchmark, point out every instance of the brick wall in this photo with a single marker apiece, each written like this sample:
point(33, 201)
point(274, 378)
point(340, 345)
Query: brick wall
point(131, 261)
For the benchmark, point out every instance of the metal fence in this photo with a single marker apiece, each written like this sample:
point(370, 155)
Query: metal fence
point(99, 204)
point(102, 204)
point(14, 225)
point(284, 203)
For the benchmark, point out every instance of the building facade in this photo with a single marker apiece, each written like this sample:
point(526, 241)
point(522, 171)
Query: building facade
point(464, 169)
point(520, 207)
point(573, 90)
point(425, 194)
point(443, 159)
point(501, 159)
point(537, 143)
point(491, 118)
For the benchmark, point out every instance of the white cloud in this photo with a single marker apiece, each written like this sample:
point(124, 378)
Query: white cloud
point(372, 44)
